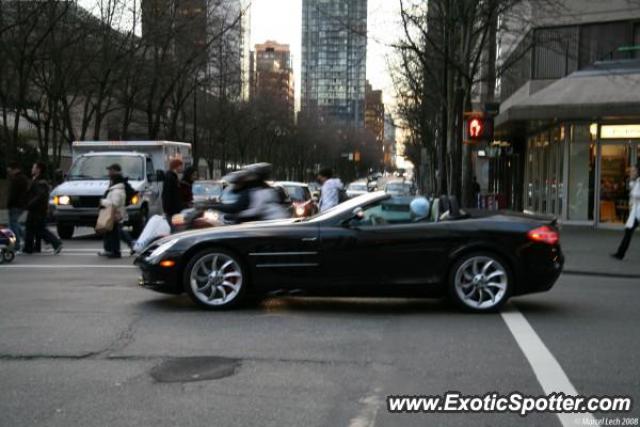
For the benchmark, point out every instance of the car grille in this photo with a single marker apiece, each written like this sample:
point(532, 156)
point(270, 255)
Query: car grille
point(85, 201)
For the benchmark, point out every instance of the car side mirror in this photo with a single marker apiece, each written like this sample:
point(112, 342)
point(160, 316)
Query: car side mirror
point(160, 176)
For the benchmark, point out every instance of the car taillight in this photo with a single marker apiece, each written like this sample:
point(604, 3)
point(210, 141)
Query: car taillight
point(544, 234)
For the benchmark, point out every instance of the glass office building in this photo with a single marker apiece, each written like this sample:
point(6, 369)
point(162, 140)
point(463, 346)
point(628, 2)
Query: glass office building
point(334, 56)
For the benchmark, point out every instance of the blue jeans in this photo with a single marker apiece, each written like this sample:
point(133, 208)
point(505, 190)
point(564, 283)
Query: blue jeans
point(15, 226)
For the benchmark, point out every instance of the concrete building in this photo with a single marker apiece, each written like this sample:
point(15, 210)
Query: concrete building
point(272, 73)
point(334, 56)
point(374, 115)
point(389, 144)
point(569, 122)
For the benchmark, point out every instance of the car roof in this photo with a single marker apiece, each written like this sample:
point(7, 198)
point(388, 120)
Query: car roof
point(291, 184)
point(208, 181)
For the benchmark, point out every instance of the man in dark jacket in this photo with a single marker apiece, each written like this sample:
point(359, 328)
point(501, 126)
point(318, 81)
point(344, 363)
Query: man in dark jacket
point(17, 200)
point(171, 196)
point(37, 208)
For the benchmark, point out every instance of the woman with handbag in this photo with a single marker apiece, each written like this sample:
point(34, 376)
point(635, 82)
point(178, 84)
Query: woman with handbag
point(114, 202)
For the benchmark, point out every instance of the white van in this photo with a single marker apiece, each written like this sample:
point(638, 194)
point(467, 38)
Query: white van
point(76, 201)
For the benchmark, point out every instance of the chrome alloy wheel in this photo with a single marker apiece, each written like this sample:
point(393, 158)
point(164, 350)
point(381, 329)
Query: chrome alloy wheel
point(216, 279)
point(481, 282)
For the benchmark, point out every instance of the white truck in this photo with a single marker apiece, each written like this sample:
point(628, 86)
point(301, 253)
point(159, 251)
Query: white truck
point(76, 201)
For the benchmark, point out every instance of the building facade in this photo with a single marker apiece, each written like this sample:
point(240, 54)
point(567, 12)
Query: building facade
point(334, 56)
point(569, 121)
point(215, 35)
point(389, 145)
point(272, 73)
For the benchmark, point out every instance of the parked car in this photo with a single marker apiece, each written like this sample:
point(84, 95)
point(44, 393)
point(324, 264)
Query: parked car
point(399, 188)
point(357, 188)
point(300, 196)
point(371, 245)
point(207, 192)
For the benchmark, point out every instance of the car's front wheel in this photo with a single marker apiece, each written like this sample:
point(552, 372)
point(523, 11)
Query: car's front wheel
point(215, 279)
point(480, 282)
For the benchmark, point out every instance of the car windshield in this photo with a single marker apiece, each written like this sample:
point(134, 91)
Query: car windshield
point(207, 189)
point(95, 167)
point(347, 206)
point(358, 187)
point(297, 193)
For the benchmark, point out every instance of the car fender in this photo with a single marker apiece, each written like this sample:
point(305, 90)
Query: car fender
point(486, 246)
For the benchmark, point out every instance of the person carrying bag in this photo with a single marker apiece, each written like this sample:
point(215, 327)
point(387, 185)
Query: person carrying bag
point(113, 212)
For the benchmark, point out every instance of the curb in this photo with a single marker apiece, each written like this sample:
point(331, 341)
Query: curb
point(601, 274)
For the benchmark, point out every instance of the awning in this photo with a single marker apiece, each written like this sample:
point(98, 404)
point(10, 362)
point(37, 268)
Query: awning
point(609, 89)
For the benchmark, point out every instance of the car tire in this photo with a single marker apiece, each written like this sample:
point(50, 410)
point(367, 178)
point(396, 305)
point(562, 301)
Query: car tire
point(65, 231)
point(480, 282)
point(215, 279)
point(8, 256)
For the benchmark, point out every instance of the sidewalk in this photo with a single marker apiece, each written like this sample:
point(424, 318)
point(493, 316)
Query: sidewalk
point(587, 250)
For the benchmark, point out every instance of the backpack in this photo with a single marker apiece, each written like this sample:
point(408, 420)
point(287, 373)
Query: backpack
point(129, 192)
point(342, 195)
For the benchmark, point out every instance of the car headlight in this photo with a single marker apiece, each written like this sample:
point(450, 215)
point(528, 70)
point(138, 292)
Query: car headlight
point(160, 250)
point(61, 200)
point(135, 199)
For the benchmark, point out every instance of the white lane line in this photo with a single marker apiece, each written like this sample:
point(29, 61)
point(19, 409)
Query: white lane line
point(548, 371)
point(367, 415)
point(58, 266)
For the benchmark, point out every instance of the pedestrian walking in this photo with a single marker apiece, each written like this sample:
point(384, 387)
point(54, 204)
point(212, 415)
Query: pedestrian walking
point(330, 191)
point(475, 185)
point(171, 196)
point(189, 176)
point(17, 200)
point(37, 209)
point(116, 198)
point(634, 212)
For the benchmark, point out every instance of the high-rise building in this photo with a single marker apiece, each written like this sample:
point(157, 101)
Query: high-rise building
point(334, 56)
point(272, 73)
point(213, 33)
point(374, 113)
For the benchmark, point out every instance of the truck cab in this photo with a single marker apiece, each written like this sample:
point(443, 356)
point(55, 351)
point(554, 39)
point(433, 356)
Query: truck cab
point(76, 201)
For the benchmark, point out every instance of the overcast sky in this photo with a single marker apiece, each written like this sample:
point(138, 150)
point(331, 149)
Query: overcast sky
point(281, 20)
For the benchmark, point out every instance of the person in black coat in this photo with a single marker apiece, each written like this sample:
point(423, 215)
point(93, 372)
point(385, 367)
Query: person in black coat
point(171, 196)
point(37, 208)
point(17, 200)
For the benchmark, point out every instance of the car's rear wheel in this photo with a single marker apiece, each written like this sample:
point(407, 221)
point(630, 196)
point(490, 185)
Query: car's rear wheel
point(480, 282)
point(215, 279)
point(65, 231)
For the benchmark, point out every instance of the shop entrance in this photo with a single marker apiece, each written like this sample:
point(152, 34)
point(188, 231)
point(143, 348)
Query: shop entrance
point(615, 160)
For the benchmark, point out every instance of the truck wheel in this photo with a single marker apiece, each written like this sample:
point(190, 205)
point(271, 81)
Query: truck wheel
point(139, 224)
point(65, 231)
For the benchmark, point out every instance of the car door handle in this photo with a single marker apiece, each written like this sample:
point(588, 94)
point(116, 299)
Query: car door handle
point(309, 239)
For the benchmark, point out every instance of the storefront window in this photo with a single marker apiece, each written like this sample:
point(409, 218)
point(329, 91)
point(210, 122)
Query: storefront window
point(544, 172)
point(581, 174)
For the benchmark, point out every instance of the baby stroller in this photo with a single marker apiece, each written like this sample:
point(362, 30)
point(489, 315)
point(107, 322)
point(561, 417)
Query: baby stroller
point(7, 245)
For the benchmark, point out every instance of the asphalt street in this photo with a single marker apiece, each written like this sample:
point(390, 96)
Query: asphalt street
point(82, 345)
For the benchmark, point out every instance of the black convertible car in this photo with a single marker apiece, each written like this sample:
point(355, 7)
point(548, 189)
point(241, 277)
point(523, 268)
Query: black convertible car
point(371, 245)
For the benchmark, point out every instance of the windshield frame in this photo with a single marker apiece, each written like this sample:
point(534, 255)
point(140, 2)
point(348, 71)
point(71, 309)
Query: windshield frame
point(84, 158)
